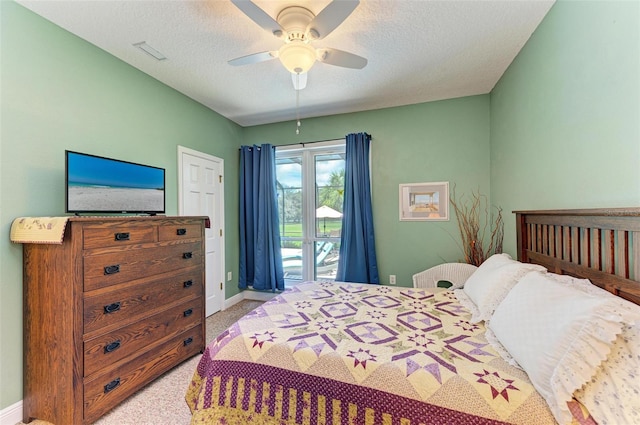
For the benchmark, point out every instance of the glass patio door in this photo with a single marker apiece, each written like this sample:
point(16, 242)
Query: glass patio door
point(310, 186)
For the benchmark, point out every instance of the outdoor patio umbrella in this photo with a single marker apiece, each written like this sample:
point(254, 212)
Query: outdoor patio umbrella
point(325, 212)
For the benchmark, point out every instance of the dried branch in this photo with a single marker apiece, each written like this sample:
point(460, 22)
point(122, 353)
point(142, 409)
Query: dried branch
point(472, 232)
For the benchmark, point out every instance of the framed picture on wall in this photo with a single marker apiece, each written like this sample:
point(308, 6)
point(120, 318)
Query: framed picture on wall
point(424, 201)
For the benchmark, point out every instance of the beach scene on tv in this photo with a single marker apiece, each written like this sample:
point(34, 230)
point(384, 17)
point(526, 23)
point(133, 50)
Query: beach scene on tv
point(96, 184)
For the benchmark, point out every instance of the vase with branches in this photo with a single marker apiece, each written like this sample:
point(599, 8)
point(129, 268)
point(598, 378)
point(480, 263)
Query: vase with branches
point(474, 222)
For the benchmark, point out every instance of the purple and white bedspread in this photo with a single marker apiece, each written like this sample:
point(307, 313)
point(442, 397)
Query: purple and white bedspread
point(344, 353)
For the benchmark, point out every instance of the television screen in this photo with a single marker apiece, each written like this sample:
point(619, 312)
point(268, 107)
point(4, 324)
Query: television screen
point(96, 184)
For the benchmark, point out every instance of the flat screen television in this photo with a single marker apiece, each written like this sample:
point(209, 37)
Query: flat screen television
point(96, 184)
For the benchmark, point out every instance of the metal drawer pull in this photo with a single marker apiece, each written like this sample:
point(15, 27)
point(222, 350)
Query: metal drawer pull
point(122, 236)
point(111, 308)
point(181, 232)
point(188, 341)
point(112, 385)
point(188, 313)
point(187, 255)
point(112, 346)
point(112, 269)
point(188, 283)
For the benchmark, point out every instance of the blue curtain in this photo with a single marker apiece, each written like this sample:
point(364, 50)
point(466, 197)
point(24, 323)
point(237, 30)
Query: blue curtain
point(260, 256)
point(357, 246)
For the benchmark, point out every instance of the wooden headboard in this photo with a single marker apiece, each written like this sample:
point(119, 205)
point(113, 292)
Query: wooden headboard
point(602, 245)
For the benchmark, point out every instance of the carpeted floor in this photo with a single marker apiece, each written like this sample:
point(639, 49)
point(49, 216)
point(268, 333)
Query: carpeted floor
point(162, 402)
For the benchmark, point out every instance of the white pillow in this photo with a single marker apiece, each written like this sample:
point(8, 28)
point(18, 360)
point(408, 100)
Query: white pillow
point(612, 397)
point(488, 285)
point(559, 334)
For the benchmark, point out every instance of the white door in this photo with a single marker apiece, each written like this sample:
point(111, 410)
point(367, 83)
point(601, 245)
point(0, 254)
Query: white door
point(201, 193)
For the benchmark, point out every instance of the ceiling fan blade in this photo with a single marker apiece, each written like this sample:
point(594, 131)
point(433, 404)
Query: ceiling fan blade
point(299, 80)
point(254, 58)
point(259, 16)
point(330, 17)
point(341, 58)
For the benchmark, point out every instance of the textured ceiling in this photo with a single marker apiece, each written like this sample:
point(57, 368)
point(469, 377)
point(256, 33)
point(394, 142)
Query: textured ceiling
point(417, 51)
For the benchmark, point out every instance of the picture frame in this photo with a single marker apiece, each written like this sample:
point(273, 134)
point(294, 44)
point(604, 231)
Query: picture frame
point(424, 201)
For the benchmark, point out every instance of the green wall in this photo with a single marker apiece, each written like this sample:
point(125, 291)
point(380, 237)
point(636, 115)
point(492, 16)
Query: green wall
point(428, 142)
point(59, 92)
point(565, 117)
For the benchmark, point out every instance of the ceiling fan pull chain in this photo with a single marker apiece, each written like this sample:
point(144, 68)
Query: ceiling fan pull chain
point(298, 104)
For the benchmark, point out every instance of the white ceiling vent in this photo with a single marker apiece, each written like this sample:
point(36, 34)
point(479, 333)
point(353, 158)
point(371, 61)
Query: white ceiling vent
point(149, 50)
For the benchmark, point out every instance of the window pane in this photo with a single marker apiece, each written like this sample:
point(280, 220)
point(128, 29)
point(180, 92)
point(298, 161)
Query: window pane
point(289, 189)
point(329, 173)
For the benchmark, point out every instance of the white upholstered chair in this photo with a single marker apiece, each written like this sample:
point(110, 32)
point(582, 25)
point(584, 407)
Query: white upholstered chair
point(456, 273)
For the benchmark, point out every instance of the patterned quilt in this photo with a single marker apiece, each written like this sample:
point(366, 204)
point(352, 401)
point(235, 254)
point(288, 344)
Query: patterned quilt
point(344, 353)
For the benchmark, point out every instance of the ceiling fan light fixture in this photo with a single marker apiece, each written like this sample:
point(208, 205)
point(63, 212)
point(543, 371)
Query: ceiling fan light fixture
point(298, 57)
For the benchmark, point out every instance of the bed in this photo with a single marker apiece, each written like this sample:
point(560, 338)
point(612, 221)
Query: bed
point(344, 353)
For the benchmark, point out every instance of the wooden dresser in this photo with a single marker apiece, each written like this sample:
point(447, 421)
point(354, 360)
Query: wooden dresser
point(117, 304)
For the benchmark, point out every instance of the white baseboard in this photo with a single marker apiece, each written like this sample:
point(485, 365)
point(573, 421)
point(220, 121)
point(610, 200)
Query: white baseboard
point(248, 294)
point(233, 300)
point(258, 295)
point(11, 415)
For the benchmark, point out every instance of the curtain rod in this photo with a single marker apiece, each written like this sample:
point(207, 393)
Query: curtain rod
point(302, 144)
point(308, 143)
point(316, 141)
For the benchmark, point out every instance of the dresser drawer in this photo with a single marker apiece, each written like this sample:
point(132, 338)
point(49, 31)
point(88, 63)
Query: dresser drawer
point(102, 237)
point(135, 300)
point(171, 232)
point(109, 269)
point(107, 349)
point(104, 391)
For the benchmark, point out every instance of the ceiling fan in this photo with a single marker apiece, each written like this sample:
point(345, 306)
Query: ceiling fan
point(298, 27)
